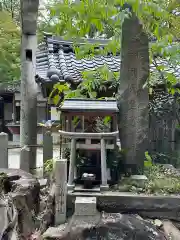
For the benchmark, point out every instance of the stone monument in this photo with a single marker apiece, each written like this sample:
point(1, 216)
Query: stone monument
point(133, 98)
point(60, 174)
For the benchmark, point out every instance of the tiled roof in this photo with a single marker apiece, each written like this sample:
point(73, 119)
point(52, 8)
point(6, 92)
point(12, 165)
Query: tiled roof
point(56, 61)
point(89, 105)
point(10, 87)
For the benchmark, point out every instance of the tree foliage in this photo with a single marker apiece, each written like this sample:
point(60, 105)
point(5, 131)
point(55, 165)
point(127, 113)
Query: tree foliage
point(12, 7)
point(9, 48)
point(103, 19)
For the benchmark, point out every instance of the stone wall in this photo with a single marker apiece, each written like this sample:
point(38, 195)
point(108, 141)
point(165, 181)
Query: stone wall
point(162, 207)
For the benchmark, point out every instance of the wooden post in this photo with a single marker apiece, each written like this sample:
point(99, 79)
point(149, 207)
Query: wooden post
point(28, 126)
point(3, 150)
point(60, 174)
point(47, 146)
point(70, 184)
point(104, 185)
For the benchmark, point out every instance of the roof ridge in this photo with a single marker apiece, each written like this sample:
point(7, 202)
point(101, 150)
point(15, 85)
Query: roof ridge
point(63, 66)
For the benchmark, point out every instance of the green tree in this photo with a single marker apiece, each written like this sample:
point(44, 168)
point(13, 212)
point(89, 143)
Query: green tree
point(103, 19)
point(9, 48)
point(12, 7)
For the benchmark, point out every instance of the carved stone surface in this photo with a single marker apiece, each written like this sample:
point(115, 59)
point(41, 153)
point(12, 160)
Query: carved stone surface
point(109, 226)
point(132, 98)
point(60, 190)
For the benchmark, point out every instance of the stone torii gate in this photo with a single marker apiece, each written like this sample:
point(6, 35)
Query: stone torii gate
point(81, 135)
point(28, 126)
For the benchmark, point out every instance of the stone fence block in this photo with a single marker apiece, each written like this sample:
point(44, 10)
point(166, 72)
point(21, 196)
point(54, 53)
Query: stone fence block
point(3, 150)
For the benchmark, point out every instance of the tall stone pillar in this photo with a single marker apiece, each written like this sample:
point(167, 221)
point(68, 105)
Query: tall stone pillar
point(133, 99)
point(72, 163)
point(28, 126)
point(104, 185)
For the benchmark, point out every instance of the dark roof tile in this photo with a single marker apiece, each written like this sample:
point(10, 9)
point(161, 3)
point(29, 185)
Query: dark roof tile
point(57, 62)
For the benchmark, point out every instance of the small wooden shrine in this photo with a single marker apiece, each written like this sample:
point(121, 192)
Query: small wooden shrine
point(88, 138)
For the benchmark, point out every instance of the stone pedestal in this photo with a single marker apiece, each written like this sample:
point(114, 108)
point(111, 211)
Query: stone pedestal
point(60, 174)
point(85, 206)
point(139, 180)
point(3, 150)
point(25, 154)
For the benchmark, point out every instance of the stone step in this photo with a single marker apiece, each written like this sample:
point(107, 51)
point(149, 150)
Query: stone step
point(85, 206)
point(80, 188)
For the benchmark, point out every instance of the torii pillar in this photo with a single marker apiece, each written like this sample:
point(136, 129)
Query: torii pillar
point(28, 124)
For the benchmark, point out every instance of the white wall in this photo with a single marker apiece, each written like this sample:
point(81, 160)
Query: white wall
point(55, 115)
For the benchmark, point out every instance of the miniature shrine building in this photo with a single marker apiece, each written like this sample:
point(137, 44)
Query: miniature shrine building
point(91, 143)
point(57, 63)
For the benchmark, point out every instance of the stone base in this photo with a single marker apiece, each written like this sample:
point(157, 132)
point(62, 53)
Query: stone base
point(85, 206)
point(70, 187)
point(60, 218)
point(104, 187)
point(140, 180)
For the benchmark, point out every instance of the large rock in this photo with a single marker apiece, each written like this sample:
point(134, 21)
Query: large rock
point(23, 188)
point(110, 227)
point(8, 219)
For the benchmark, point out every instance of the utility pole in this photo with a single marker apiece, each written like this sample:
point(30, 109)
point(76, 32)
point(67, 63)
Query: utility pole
point(28, 123)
